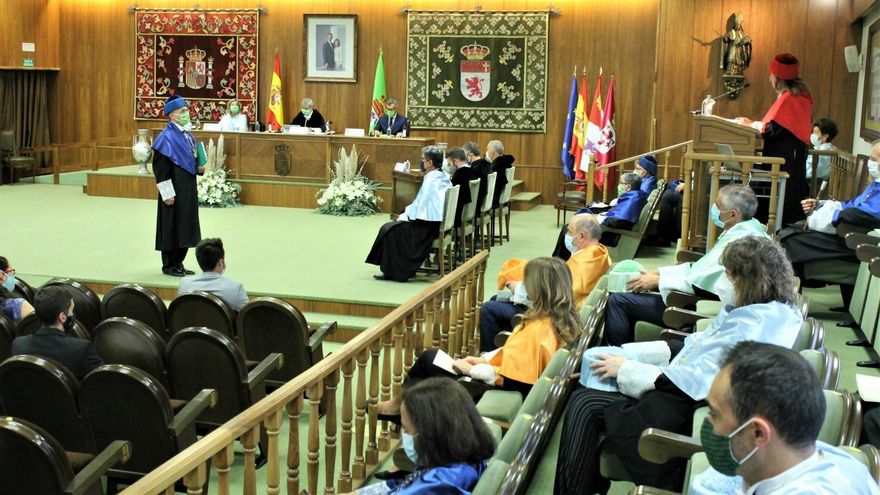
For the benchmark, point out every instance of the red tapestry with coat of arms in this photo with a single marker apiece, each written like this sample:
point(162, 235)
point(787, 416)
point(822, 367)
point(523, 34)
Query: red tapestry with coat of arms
point(207, 57)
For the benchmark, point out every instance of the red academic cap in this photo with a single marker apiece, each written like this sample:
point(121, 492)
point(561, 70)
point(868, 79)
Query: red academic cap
point(785, 66)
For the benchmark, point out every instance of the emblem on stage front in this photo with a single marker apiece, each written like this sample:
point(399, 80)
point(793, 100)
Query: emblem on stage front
point(196, 71)
point(282, 160)
point(475, 72)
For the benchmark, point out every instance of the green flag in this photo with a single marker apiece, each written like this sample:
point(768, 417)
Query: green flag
point(377, 105)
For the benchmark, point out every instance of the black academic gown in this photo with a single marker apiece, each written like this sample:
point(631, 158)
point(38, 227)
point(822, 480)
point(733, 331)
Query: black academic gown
point(315, 120)
point(781, 143)
point(462, 177)
point(500, 165)
point(177, 226)
point(483, 168)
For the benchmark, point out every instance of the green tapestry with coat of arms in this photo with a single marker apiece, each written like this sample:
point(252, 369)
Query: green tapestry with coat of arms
point(477, 71)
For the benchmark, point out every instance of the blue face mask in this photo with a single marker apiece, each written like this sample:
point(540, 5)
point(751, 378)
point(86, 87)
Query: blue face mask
point(9, 283)
point(715, 213)
point(409, 447)
point(569, 244)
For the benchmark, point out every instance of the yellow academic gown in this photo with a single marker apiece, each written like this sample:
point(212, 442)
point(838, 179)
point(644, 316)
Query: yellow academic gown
point(587, 267)
point(527, 351)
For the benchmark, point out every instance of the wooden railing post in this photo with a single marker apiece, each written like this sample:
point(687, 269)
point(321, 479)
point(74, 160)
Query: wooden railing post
point(330, 426)
point(387, 343)
point(195, 480)
point(222, 461)
point(360, 431)
point(438, 332)
point(315, 390)
point(453, 321)
point(399, 342)
point(372, 445)
point(273, 465)
point(411, 341)
point(294, 408)
point(460, 312)
point(249, 442)
point(344, 471)
point(428, 340)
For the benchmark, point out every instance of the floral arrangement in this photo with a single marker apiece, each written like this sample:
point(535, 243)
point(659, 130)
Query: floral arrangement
point(215, 190)
point(349, 193)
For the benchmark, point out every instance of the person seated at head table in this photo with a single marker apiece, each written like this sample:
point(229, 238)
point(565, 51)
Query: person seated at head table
point(662, 384)
point(212, 260)
point(500, 164)
point(548, 325)
point(646, 169)
point(14, 308)
point(55, 340)
point(824, 131)
point(480, 165)
point(758, 440)
point(863, 211)
point(444, 436)
point(588, 262)
point(309, 116)
point(233, 119)
point(622, 214)
point(732, 211)
point(392, 123)
point(401, 246)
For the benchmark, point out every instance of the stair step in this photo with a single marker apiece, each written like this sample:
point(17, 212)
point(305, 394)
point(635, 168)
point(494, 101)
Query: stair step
point(525, 201)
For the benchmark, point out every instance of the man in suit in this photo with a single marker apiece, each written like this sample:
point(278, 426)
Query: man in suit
point(392, 123)
point(54, 308)
point(479, 165)
point(327, 52)
point(211, 257)
point(461, 174)
point(500, 164)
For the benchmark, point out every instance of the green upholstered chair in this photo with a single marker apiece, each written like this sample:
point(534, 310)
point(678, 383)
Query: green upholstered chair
point(513, 440)
point(14, 158)
point(503, 406)
point(491, 479)
point(628, 241)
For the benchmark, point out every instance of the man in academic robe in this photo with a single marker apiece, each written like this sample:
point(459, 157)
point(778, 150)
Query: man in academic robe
point(403, 245)
point(500, 164)
point(327, 52)
point(309, 116)
point(786, 130)
point(392, 123)
point(175, 166)
point(479, 165)
point(732, 211)
point(804, 246)
point(646, 169)
point(588, 262)
point(462, 174)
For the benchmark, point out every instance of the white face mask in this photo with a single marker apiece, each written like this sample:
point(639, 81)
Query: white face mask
point(815, 140)
point(487, 157)
point(725, 291)
point(874, 170)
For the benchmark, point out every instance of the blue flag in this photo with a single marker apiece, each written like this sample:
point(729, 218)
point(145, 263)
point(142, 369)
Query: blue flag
point(567, 157)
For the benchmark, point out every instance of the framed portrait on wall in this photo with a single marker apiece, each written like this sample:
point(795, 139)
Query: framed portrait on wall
point(871, 95)
point(331, 47)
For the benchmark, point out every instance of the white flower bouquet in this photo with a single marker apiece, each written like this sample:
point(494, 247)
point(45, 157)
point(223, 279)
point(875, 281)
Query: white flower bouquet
point(349, 193)
point(214, 188)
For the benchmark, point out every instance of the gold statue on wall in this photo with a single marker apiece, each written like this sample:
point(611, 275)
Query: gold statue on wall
point(736, 54)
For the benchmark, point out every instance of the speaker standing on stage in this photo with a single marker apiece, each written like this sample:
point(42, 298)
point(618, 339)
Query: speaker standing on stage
point(175, 165)
point(786, 130)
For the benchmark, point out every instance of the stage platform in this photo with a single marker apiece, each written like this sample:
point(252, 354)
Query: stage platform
point(314, 261)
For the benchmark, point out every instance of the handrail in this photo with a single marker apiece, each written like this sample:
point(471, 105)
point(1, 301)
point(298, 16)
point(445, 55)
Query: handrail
point(443, 315)
point(652, 152)
point(591, 171)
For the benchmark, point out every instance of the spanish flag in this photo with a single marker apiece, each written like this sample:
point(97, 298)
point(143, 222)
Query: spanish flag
point(275, 111)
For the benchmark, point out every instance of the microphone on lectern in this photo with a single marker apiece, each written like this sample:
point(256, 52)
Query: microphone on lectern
point(744, 86)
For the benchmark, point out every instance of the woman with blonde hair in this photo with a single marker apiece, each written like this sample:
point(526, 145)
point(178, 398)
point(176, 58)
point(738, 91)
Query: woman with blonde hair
point(233, 119)
point(551, 323)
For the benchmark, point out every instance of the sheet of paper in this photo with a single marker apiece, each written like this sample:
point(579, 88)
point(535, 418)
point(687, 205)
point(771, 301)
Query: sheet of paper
point(869, 387)
point(599, 204)
point(401, 167)
point(444, 362)
point(166, 189)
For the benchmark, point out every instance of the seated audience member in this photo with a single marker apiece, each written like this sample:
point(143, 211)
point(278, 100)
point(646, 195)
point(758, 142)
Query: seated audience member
point(549, 324)
point(588, 262)
point(660, 387)
point(824, 131)
point(646, 169)
point(500, 164)
point(54, 308)
point(392, 123)
point(14, 308)
point(669, 219)
point(804, 246)
point(233, 119)
point(445, 437)
point(212, 259)
point(480, 165)
point(403, 245)
point(759, 440)
point(461, 174)
point(732, 211)
point(309, 116)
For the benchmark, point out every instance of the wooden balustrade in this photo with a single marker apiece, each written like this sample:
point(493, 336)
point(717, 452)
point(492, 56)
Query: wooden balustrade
point(371, 366)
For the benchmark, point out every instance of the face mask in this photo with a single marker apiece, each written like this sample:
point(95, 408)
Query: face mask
point(184, 119)
point(569, 244)
point(449, 169)
point(814, 140)
point(874, 170)
point(69, 323)
point(306, 112)
point(409, 447)
point(390, 113)
point(718, 449)
point(487, 157)
point(620, 190)
point(422, 166)
point(726, 293)
point(234, 109)
point(715, 213)
point(9, 283)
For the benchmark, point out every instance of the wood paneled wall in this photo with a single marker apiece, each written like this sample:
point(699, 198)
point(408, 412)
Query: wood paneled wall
point(29, 21)
point(664, 53)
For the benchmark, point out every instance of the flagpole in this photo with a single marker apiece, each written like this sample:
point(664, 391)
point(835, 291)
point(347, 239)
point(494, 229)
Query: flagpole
point(575, 72)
